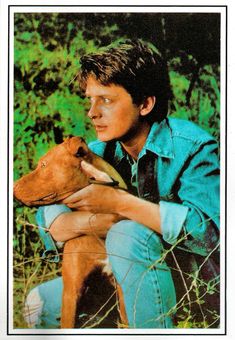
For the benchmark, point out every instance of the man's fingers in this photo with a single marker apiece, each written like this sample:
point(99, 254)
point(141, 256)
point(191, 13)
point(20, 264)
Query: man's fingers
point(72, 198)
point(93, 172)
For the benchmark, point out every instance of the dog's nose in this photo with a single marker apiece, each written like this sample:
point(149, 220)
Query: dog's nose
point(15, 186)
point(16, 190)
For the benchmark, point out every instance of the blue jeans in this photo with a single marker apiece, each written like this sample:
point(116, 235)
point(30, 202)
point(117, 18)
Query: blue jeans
point(135, 254)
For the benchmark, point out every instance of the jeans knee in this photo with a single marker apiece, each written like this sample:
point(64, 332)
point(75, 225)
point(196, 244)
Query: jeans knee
point(135, 254)
point(132, 241)
point(33, 308)
point(43, 304)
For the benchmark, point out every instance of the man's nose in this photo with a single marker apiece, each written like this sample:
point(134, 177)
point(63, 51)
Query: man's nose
point(94, 112)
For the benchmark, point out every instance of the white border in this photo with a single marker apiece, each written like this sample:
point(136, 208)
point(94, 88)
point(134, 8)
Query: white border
point(85, 9)
point(116, 9)
point(4, 147)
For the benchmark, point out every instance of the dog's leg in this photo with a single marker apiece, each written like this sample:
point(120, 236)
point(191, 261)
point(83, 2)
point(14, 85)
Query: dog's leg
point(122, 309)
point(81, 256)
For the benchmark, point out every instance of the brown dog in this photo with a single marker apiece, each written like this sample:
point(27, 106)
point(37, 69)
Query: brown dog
point(58, 175)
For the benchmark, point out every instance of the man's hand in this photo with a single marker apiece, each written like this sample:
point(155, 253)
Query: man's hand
point(102, 199)
point(91, 171)
point(95, 198)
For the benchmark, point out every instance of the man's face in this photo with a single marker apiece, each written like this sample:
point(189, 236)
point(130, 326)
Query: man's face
point(112, 111)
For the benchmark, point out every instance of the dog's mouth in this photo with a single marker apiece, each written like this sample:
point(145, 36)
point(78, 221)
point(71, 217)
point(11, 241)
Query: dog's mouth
point(45, 199)
point(52, 198)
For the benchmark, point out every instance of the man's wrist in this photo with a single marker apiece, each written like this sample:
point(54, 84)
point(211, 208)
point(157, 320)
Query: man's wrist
point(125, 202)
point(140, 210)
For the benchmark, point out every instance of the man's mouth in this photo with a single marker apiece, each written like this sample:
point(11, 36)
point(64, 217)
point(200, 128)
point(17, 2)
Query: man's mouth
point(100, 128)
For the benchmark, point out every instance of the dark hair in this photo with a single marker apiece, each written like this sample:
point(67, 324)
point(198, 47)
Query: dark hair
point(135, 66)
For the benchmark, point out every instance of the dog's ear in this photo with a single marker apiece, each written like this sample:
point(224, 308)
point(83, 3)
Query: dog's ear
point(77, 146)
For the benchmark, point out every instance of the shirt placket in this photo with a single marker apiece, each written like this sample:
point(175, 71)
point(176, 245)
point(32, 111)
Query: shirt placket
point(146, 178)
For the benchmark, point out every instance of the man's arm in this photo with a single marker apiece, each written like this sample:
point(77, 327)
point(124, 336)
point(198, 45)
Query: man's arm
point(196, 213)
point(69, 225)
point(107, 200)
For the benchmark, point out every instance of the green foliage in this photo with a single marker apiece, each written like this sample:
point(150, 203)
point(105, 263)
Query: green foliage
point(49, 106)
point(203, 107)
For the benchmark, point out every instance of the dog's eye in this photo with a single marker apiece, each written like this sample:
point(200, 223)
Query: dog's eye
point(43, 164)
point(80, 152)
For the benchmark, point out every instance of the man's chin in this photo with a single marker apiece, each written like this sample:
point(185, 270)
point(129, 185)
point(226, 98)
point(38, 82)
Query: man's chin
point(104, 138)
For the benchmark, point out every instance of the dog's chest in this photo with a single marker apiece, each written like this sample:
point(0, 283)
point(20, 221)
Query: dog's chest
point(106, 267)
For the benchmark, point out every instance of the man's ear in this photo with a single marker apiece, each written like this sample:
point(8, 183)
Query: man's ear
point(147, 106)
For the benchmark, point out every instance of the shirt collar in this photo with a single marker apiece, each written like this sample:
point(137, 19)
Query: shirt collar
point(159, 142)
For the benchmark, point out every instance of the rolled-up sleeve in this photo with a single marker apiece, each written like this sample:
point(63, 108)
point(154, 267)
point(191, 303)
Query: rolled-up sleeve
point(197, 213)
point(173, 216)
point(44, 217)
point(50, 213)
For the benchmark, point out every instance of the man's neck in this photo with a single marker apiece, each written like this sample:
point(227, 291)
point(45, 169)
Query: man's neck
point(135, 145)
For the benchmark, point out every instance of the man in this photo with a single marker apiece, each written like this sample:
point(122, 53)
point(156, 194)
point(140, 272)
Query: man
point(171, 169)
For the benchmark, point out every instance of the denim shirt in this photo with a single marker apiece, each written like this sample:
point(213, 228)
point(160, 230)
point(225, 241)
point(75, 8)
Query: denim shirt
point(183, 179)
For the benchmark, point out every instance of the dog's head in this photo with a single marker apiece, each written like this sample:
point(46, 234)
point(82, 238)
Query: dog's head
point(58, 174)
